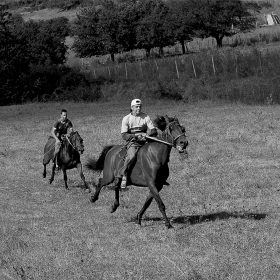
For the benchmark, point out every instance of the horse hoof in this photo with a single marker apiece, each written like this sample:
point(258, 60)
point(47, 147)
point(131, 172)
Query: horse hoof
point(44, 175)
point(50, 181)
point(169, 226)
point(114, 208)
point(93, 199)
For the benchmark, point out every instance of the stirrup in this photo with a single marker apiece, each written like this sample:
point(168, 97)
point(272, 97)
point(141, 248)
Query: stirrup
point(123, 184)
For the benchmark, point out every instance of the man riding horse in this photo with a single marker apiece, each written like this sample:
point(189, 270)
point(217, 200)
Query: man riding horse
point(61, 127)
point(64, 147)
point(135, 127)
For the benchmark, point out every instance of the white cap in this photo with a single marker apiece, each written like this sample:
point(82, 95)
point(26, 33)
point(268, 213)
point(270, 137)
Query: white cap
point(135, 102)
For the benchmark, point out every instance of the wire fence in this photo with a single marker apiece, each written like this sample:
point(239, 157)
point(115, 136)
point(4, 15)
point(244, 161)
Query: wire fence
point(244, 63)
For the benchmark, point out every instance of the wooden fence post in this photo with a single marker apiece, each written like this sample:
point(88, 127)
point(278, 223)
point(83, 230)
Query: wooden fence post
point(157, 67)
point(178, 76)
point(194, 69)
point(213, 65)
point(125, 71)
point(141, 71)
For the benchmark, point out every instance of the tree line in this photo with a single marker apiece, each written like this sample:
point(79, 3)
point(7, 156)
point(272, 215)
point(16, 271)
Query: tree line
point(114, 27)
point(33, 53)
point(31, 57)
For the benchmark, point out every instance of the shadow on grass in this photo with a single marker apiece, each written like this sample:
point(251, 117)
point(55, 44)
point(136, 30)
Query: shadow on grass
point(196, 219)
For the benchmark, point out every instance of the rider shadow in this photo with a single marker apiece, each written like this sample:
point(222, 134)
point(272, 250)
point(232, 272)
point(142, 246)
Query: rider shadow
point(197, 219)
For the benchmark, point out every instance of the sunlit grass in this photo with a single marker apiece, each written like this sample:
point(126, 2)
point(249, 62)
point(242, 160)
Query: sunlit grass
point(222, 199)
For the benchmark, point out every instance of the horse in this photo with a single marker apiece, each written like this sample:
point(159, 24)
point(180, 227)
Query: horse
point(68, 157)
point(150, 167)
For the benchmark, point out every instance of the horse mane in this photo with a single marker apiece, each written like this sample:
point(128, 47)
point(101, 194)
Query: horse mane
point(161, 121)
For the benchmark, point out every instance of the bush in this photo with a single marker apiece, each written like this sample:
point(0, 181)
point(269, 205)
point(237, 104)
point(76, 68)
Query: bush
point(168, 90)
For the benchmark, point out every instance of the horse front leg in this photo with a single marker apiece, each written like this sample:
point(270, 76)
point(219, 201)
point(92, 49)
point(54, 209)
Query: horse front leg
point(155, 192)
point(146, 205)
point(44, 171)
point(52, 175)
point(117, 200)
point(80, 169)
point(65, 177)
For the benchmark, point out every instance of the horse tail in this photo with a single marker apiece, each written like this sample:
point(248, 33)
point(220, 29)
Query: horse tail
point(98, 164)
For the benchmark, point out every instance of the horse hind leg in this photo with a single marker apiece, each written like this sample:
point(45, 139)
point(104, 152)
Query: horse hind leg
point(95, 196)
point(146, 205)
point(116, 203)
point(45, 171)
point(52, 175)
point(65, 178)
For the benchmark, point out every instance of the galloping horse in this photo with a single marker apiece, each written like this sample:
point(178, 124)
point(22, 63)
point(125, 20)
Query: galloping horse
point(68, 156)
point(151, 165)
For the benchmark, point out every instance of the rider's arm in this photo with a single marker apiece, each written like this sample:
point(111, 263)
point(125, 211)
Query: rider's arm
point(54, 131)
point(128, 136)
point(125, 132)
point(70, 126)
point(151, 128)
point(54, 134)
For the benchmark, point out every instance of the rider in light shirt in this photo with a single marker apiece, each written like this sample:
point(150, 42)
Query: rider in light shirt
point(135, 127)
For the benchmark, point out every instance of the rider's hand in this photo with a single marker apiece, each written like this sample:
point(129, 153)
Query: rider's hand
point(141, 137)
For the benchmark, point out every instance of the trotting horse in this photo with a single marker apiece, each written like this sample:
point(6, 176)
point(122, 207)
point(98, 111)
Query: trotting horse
point(68, 156)
point(151, 165)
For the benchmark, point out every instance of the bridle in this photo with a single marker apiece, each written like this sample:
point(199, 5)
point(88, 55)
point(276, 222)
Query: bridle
point(74, 147)
point(174, 139)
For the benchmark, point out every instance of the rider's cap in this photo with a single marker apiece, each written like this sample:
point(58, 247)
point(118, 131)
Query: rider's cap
point(135, 102)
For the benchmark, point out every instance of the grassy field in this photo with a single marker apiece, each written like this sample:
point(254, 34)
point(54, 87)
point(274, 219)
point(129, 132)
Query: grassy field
point(223, 200)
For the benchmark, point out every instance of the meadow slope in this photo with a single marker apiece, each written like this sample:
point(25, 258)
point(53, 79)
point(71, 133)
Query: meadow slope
point(223, 200)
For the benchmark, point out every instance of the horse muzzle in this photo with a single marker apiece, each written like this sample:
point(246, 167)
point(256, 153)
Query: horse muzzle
point(182, 148)
point(81, 149)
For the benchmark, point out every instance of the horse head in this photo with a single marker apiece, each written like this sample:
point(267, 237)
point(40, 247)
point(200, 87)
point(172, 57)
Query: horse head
point(76, 141)
point(173, 131)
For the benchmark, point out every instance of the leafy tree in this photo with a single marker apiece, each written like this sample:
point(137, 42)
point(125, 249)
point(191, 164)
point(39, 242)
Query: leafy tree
point(183, 21)
point(97, 30)
point(14, 59)
point(155, 28)
point(47, 40)
point(215, 18)
point(129, 16)
point(22, 47)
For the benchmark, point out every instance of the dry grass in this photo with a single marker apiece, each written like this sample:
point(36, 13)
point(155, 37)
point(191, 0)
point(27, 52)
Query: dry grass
point(223, 200)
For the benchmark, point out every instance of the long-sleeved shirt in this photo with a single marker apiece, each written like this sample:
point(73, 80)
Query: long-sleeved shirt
point(137, 124)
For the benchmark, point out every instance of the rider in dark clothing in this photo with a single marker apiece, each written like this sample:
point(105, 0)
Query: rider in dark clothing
point(60, 128)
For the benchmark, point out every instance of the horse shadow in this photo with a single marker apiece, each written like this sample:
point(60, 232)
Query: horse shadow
point(197, 219)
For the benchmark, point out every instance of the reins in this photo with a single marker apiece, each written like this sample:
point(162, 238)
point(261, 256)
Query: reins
point(54, 145)
point(70, 142)
point(174, 138)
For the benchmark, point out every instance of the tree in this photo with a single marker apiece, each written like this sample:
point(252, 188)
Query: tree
point(23, 45)
point(97, 30)
point(14, 59)
point(155, 27)
point(47, 40)
point(215, 18)
point(183, 22)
